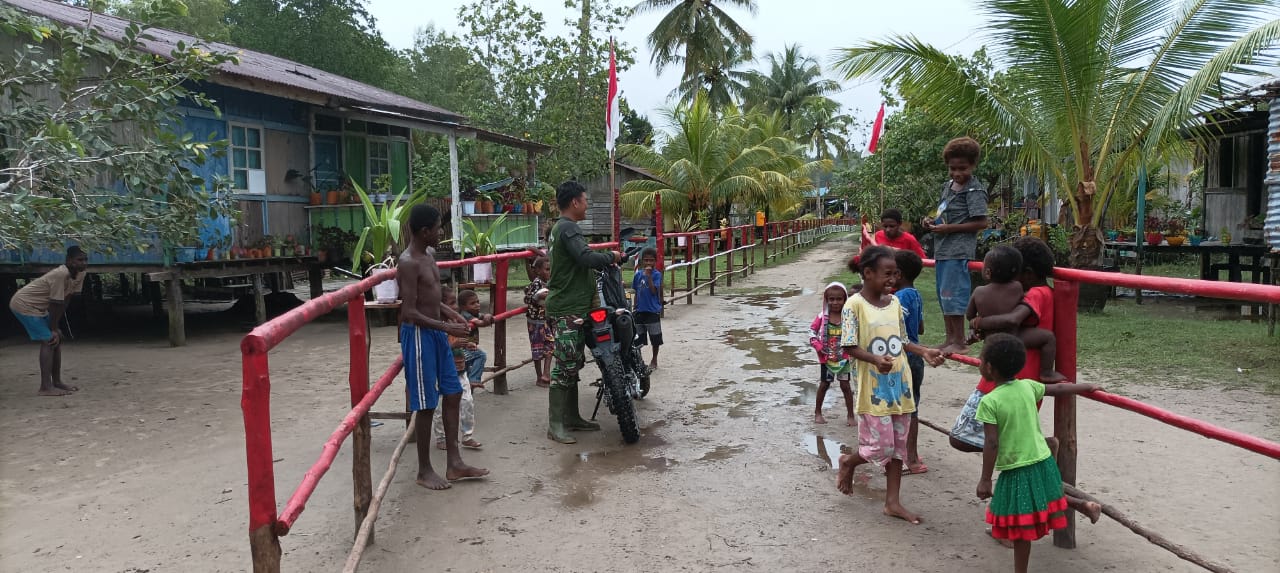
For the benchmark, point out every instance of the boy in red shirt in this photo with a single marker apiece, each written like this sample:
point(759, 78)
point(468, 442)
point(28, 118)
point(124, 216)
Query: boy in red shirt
point(892, 235)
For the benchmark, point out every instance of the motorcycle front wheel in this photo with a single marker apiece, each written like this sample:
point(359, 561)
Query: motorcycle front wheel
point(620, 402)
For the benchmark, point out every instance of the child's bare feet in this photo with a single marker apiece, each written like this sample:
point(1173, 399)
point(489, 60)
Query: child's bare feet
point(461, 471)
point(1092, 510)
point(440, 445)
point(818, 419)
point(432, 480)
point(62, 386)
point(544, 382)
point(953, 348)
point(851, 421)
point(54, 392)
point(1052, 377)
point(653, 365)
point(896, 510)
point(844, 479)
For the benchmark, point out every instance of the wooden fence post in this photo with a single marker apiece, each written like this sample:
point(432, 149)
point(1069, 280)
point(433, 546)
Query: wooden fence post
point(362, 436)
point(255, 401)
point(690, 271)
point(711, 260)
point(499, 303)
point(1065, 304)
point(729, 255)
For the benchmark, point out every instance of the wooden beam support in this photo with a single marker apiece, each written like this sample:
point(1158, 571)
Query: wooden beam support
point(177, 326)
point(259, 302)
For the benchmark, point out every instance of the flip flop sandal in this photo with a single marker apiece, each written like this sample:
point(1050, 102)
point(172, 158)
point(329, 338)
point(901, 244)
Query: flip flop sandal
point(919, 468)
point(472, 445)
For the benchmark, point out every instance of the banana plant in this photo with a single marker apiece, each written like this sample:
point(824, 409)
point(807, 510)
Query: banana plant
point(383, 229)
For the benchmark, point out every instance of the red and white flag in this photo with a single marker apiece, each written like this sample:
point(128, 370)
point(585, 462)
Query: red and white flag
point(613, 115)
point(876, 129)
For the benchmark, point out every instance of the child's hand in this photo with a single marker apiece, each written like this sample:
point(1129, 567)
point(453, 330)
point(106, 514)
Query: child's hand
point(884, 364)
point(1089, 388)
point(984, 489)
point(973, 337)
point(933, 357)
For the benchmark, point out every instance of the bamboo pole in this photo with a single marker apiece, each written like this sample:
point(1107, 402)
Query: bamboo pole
point(366, 526)
point(1119, 517)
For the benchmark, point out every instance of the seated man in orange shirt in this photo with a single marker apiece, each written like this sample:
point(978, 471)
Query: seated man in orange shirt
point(892, 235)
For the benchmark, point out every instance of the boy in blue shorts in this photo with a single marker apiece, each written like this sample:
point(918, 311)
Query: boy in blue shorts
point(961, 215)
point(425, 326)
point(39, 306)
point(909, 266)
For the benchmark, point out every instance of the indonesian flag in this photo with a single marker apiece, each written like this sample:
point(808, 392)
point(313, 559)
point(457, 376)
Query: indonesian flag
point(613, 116)
point(876, 129)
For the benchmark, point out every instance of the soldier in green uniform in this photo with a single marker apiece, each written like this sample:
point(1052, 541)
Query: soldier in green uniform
point(572, 294)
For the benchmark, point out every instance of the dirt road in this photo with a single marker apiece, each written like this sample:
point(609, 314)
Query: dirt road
point(144, 469)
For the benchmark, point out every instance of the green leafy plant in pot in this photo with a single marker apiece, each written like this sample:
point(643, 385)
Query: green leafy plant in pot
point(381, 236)
point(480, 242)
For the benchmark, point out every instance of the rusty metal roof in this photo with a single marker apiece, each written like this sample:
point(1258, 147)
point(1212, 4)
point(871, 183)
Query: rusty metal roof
point(285, 74)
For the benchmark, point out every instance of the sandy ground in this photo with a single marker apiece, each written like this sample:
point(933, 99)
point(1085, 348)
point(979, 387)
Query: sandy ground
point(143, 470)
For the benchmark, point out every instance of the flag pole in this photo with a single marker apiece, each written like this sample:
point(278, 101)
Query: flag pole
point(881, 182)
point(614, 190)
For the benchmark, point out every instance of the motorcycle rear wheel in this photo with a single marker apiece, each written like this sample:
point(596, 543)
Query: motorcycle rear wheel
point(620, 402)
point(643, 373)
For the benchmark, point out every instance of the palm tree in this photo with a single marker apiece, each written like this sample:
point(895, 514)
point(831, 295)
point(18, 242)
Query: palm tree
point(824, 129)
point(793, 80)
point(1091, 91)
point(697, 34)
point(713, 161)
point(721, 81)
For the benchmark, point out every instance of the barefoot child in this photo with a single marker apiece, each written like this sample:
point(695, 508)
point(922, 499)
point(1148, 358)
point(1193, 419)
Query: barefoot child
point(834, 364)
point(961, 215)
point(1027, 502)
point(39, 306)
point(469, 308)
point(909, 267)
point(872, 332)
point(466, 406)
point(540, 333)
point(425, 326)
point(1001, 295)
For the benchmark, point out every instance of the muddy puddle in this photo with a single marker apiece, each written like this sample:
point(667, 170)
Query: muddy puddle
point(721, 453)
point(766, 298)
point(584, 474)
point(772, 347)
point(827, 449)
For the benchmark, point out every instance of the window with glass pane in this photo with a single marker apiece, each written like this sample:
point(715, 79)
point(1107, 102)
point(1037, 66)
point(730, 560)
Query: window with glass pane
point(246, 154)
point(379, 160)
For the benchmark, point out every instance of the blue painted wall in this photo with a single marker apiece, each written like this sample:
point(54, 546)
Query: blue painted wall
point(236, 105)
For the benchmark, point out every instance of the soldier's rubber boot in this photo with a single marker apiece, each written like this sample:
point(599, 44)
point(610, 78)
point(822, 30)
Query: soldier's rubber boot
point(555, 416)
point(572, 419)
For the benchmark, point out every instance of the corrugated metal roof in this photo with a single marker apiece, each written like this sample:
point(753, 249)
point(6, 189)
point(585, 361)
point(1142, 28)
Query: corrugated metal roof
point(254, 65)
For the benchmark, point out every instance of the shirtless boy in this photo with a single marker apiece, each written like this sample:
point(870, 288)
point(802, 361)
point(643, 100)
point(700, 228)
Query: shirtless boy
point(1001, 295)
point(425, 325)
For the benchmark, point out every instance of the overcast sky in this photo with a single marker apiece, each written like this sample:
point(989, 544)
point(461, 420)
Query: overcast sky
point(820, 26)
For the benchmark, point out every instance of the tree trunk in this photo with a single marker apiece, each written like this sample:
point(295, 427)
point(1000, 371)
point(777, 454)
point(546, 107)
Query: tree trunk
point(1086, 247)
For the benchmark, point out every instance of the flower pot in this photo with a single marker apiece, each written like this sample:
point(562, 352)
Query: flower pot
point(1154, 239)
point(482, 272)
point(333, 197)
point(1195, 240)
point(288, 251)
point(322, 256)
point(211, 254)
point(537, 205)
point(468, 207)
point(682, 241)
point(517, 208)
point(1175, 240)
point(317, 198)
point(1113, 235)
point(529, 209)
point(386, 291)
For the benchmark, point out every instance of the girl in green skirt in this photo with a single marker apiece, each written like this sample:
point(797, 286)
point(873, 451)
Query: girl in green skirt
point(1028, 501)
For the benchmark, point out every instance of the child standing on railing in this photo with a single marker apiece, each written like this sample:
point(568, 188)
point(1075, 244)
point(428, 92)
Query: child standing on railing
point(872, 332)
point(833, 362)
point(469, 308)
point(466, 406)
point(1027, 501)
point(541, 334)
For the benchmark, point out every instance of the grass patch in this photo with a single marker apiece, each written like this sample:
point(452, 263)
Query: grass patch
point(1150, 344)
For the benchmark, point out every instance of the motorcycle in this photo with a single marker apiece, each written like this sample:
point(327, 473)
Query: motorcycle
point(610, 335)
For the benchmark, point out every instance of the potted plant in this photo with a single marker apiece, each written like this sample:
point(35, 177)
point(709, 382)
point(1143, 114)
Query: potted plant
point(290, 246)
point(1224, 236)
point(381, 188)
point(480, 242)
point(1151, 229)
point(468, 198)
point(317, 197)
point(333, 196)
point(382, 234)
point(1175, 231)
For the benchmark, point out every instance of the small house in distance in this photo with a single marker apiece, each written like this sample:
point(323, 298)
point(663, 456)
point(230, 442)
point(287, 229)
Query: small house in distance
point(1236, 167)
point(290, 129)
